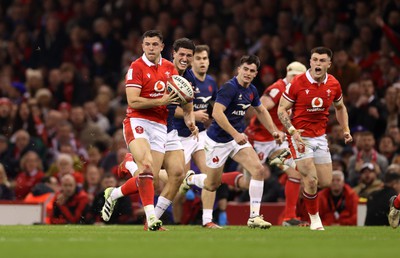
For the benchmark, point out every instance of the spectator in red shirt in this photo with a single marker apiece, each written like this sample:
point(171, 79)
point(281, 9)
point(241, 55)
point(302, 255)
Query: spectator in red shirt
point(31, 174)
point(69, 204)
point(338, 203)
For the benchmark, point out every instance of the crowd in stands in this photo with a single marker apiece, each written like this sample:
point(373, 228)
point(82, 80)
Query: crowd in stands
point(62, 92)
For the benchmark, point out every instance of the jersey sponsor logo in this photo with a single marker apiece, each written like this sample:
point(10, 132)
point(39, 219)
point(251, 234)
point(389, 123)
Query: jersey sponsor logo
point(215, 159)
point(200, 106)
point(244, 106)
point(139, 129)
point(204, 99)
point(159, 86)
point(316, 104)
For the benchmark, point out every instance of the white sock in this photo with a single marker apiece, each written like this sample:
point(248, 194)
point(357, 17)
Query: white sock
point(256, 189)
point(162, 204)
point(149, 210)
point(116, 193)
point(207, 216)
point(197, 180)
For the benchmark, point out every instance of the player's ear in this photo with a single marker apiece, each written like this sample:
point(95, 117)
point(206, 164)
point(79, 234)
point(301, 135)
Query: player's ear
point(162, 46)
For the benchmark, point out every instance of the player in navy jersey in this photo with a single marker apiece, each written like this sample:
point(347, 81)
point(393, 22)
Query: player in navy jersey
point(205, 93)
point(225, 137)
point(174, 160)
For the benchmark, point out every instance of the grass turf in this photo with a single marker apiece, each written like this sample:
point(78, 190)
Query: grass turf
point(75, 241)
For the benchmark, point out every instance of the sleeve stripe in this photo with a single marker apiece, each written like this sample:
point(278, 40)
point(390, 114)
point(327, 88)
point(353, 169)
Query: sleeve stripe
point(133, 85)
point(337, 100)
point(287, 98)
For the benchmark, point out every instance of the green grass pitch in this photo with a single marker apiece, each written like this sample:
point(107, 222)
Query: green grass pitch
point(75, 241)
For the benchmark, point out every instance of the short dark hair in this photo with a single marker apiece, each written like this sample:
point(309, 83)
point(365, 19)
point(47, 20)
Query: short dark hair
point(201, 48)
point(153, 33)
point(322, 50)
point(391, 177)
point(251, 59)
point(183, 43)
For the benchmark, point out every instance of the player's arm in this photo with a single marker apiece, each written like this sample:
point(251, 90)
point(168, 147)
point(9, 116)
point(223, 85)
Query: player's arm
point(188, 117)
point(343, 119)
point(267, 102)
point(137, 102)
point(284, 106)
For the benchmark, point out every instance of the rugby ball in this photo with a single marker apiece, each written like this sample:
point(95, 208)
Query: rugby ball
point(182, 87)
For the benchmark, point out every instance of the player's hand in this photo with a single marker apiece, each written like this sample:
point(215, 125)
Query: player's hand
point(169, 98)
point(240, 138)
point(279, 137)
point(194, 130)
point(347, 137)
point(299, 141)
point(201, 115)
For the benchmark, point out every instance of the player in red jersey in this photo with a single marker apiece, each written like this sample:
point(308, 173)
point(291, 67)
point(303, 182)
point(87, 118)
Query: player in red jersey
point(144, 127)
point(309, 96)
point(266, 147)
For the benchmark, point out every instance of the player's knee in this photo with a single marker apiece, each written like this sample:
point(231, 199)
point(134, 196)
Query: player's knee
point(176, 175)
point(213, 186)
point(311, 182)
point(258, 173)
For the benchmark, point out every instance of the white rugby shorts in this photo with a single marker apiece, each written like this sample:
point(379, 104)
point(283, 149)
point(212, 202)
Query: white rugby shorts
point(218, 153)
point(155, 133)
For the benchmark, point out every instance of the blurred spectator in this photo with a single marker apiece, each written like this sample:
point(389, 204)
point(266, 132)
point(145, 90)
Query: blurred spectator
point(34, 81)
point(344, 70)
point(9, 164)
point(378, 205)
point(369, 181)
point(92, 184)
point(93, 115)
point(50, 44)
point(70, 204)
point(23, 143)
point(65, 166)
point(72, 88)
point(6, 119)
point(368, 111)
point(6, 192)
point(123, 213)
point(86, 131)
point(366, 153)
point(31, 173)
point(338, 203)
point(387, 147)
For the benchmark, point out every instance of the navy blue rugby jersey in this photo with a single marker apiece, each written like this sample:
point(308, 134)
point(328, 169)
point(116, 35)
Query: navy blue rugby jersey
point(237, 100)
point(204, 92)
point(188, 75)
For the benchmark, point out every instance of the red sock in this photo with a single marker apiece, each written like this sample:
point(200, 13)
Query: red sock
point(231, 178)
point(146, 188)
point(130, 186)
point(396, 202)
point(311, 202)
point(292, 188)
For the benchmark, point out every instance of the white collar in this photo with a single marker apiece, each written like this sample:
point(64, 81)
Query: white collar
point(311, 79)
point(148, 63)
